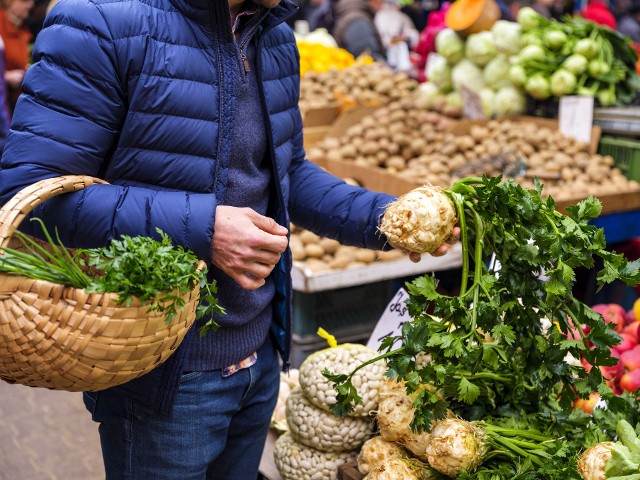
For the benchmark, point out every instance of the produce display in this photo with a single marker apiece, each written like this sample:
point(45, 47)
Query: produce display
point(492, 361)
point(319, 53)
point(404, 139)
point(296, 461)
point(535, 57)
point(324, 254)
point(364, 83)
point(574, 57)
point(288, 382)
point(318, 441)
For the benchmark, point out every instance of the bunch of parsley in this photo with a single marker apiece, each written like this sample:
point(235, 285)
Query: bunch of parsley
point(491, 354)
point(156, 272)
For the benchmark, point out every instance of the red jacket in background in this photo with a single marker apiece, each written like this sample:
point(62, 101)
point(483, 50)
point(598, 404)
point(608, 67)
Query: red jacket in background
point(598, 12)
point(427, 40)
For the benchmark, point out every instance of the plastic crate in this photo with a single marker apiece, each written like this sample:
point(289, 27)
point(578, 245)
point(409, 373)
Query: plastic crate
point(341, 310)
point(625, 152)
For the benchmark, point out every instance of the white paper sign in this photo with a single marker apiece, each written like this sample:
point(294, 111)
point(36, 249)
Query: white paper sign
point(575, 117)
point(472, 104)
point(390, 323)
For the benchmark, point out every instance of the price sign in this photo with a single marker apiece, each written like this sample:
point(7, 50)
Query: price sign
point(471, 104)
point(390, 323)
point(575, 117)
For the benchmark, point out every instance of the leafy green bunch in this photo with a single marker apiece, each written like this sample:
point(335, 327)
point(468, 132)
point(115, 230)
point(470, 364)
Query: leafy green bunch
point(155, 272)
point(501, 346)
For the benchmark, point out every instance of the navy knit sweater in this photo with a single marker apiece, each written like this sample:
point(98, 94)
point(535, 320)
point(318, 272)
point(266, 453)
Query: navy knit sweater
point(245, 325)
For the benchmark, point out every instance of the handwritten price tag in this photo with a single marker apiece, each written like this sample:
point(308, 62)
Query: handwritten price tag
point(390, 323)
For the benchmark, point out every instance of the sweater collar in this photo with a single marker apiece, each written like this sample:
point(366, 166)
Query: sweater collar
point(200, 10)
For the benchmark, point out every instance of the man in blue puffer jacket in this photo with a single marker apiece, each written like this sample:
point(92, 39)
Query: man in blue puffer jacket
point(188, 108)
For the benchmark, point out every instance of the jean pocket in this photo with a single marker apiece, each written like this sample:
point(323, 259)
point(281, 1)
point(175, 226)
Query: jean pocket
point(90, 400)
point(190, 376)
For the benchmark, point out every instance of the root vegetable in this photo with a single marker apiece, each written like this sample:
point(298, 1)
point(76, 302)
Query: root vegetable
point(420, 221)
point(401, 468)
point(455, 445)
point(592, 462)
point(376, 451)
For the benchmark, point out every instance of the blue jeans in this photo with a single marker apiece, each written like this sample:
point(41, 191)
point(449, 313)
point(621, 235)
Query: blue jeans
point(217, 429)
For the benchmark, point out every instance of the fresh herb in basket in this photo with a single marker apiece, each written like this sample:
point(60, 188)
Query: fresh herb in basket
point(155, 272)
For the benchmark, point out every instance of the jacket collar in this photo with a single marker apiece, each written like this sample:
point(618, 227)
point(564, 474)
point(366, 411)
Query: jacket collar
point(200, 10)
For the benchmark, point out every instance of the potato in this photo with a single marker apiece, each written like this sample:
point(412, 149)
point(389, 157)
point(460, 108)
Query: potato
point(365, 256)
point(308, 237)
point(329, 245)
point(313, 250)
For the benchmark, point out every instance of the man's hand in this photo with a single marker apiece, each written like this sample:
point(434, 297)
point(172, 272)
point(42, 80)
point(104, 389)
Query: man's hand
point(441, 250)
point(246, 245)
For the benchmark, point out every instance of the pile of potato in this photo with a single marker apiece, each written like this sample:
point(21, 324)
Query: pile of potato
point(322, 254)
point(362, 84)
point(399, 138)
point(415, 144)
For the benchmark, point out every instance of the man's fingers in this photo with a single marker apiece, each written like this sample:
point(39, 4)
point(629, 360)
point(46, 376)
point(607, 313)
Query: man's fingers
point(267, 224)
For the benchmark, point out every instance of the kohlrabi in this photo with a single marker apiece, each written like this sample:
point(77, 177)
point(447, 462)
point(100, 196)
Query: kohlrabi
point(562, 82)
point(517, 75)
point(538, 87)
point(576, 64)
point(529, 19)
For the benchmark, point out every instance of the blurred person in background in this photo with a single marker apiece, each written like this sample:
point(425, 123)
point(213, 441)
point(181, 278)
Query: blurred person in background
point(398, 35)
point(629, 23)
point(354, 28)
point(17, 38)
point(597, 11)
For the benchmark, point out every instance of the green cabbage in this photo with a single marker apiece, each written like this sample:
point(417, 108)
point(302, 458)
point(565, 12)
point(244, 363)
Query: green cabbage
point(510, 101)
point(479, 48)
point(467, 73)
point(439, 72)
point(496, 72)
point(507, 37)
point(449, 45)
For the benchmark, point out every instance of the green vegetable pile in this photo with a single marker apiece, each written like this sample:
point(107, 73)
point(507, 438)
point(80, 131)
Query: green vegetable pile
point(574, 57)
point(155, 272)
point(500, 348)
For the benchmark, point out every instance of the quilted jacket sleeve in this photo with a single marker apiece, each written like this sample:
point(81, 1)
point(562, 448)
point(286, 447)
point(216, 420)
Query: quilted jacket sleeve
point(329, 207)
point(68, 121)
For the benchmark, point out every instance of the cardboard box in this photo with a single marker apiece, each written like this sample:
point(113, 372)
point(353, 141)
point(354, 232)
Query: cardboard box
point(463, 126)
point(320, 117)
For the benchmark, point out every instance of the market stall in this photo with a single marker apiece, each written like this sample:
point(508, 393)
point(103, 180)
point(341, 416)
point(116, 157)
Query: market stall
point(512, 352)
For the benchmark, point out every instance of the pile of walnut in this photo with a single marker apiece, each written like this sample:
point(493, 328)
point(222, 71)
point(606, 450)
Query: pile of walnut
point(416, 145)
point(322, 254)
point(369, 85)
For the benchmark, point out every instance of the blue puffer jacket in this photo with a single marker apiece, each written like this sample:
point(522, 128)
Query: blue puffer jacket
point(141, 94)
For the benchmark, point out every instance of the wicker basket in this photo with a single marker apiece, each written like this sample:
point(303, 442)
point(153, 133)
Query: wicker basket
point(64, 338)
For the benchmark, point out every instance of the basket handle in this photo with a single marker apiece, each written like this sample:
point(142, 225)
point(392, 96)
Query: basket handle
point(22, 203)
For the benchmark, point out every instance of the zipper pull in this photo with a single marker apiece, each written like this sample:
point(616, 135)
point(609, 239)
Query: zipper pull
point(245, 62)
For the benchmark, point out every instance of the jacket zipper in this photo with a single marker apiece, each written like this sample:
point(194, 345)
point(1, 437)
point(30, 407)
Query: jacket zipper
point(247, 38)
